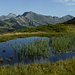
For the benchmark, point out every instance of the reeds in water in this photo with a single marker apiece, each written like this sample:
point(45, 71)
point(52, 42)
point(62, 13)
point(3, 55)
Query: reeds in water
point(39, 47)
point(62, 44)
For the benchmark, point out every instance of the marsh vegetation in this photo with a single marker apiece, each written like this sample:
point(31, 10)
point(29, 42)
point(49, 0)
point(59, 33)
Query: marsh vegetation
point(66, 67)
point(25, 49)
point(38, 49)
point(42, 50)
point(63, 44)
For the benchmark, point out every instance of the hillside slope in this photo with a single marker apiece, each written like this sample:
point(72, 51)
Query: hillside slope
point(29, 19)
point(72, 21)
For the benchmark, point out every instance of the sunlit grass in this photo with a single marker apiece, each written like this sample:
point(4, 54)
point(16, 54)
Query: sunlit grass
point(1, 60)
point(66, 67)
point(62, 44)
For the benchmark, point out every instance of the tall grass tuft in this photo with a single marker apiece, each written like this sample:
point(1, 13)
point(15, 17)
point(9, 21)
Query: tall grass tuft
point(63, 43)
point(37, 48)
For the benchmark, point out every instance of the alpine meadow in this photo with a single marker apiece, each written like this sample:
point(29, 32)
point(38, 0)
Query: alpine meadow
point(37, 37)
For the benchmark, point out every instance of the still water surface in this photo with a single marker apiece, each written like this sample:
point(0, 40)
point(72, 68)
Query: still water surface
point(7, 52)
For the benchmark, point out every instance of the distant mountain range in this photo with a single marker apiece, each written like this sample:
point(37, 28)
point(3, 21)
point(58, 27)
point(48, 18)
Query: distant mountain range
point(10, 15)
point(30, 19)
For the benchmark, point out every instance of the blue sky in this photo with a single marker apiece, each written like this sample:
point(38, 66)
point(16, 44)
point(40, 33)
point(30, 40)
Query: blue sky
point(46, 7)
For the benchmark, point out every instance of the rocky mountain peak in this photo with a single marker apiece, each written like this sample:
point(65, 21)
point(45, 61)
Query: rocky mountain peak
point(68, 16)
point(11, 15)
point(26, 13)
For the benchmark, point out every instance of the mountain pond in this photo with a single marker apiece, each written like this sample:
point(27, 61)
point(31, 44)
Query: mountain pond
point(32, 50)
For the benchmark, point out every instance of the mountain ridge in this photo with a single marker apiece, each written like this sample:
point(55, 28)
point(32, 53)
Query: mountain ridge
point(30, 19)
point(10, 15)
point(34, 19)
point(32, 14)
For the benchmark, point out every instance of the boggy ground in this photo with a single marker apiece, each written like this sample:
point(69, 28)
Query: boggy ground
point(66, 67)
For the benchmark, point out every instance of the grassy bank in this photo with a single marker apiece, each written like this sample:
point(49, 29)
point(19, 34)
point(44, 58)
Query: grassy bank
point(45, 30)
point(9, 36)
point(59, 68)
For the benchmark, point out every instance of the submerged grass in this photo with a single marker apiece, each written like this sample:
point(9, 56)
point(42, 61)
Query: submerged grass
point(1, 60)
point(58, 68)
point(35, 48)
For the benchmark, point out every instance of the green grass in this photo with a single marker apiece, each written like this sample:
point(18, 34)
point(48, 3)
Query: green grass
point(44, 28)
point(9, 36)
point(63, 43)
point(1, 60)
point(66, 67)
point(36, 49)
point(50, 28)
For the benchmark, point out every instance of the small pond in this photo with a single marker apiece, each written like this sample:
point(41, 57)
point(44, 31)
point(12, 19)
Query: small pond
point(35, 50)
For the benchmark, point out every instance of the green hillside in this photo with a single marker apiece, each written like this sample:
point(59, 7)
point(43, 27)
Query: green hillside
point(70, 21)
point(68, 26)
point(50, 28)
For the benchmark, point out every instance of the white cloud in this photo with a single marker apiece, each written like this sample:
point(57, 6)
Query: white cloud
point(64, 0)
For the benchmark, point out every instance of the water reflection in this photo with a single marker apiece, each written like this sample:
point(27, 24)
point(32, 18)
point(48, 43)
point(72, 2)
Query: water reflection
point(36, 50)
point(25, 50)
